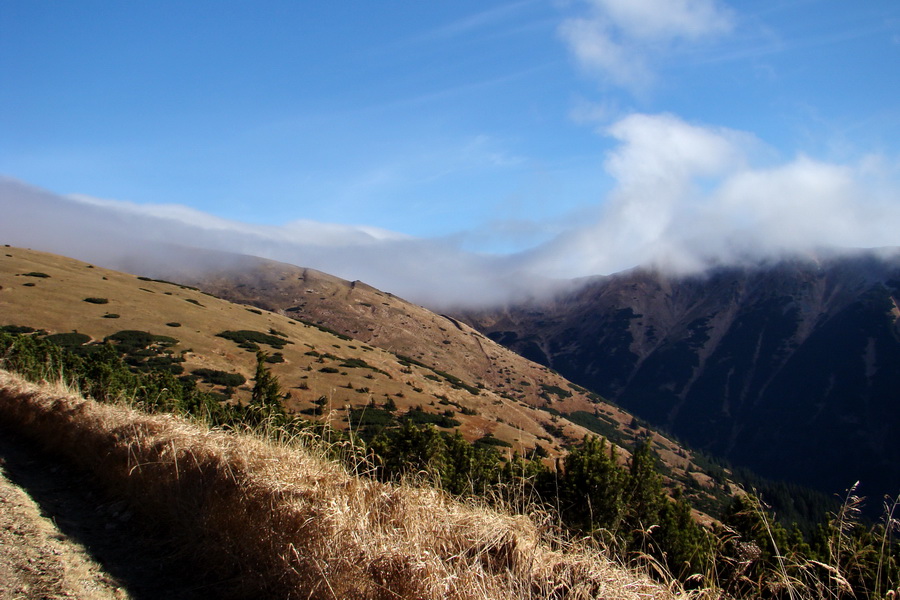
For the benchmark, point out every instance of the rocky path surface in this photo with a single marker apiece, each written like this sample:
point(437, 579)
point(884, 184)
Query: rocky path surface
point(62, 538)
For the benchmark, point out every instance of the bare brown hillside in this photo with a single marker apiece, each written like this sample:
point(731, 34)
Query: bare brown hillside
point(383, 320)
point(344, 345)
point(319, 368)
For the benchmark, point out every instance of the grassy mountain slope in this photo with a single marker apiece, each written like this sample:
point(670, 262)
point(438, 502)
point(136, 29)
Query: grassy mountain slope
point(321, 370)
point(386, 321)
point(399, 354)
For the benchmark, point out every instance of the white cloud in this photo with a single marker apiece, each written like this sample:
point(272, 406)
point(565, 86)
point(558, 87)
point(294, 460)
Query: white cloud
point(586, 112)
point(688, 196)
point(161, 240)
point(662, 151)
point(592, 43)
point(666, 19)
point(807, 203)
point(621, 39)
point(310, 232)
point(176, 212)
point(685, 196)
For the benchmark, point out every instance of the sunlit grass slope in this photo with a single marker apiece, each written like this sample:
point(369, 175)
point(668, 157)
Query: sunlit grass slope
point(279, 520)
point(450, 371)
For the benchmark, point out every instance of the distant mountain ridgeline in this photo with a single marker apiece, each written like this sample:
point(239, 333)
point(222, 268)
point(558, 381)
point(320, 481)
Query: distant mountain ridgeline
point(791, 369)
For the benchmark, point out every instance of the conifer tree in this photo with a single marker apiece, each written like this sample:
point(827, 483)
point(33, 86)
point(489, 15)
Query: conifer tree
point(267, 390)
point(591, 488)
point(644, 495)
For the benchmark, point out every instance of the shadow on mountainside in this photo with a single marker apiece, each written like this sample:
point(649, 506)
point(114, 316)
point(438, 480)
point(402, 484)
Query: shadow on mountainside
point(135, 553)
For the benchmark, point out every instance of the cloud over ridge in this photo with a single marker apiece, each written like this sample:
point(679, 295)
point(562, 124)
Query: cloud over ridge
point(686, 196)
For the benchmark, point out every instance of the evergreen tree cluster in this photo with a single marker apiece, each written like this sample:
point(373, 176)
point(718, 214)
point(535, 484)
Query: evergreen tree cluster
point(104, 372)
point(626, 509)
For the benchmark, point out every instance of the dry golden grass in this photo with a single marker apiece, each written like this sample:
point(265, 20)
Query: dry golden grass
point(56, 304)
point(506, 408)
point(282, 521)
point(386, 321)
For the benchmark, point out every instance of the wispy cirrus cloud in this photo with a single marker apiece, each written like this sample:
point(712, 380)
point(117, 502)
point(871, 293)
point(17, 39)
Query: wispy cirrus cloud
point(620, 40)
point(478, 21)
point(505, 19)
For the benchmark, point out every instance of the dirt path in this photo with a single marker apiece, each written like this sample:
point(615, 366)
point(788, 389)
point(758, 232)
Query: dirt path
point(61, 538)
point(37, 560)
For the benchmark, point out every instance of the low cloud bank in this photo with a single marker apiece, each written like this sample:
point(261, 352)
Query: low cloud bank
point(689, 196)
point(167, 240)
point(686, 197)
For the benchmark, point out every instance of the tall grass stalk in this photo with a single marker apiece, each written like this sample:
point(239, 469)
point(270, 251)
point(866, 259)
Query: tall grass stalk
point(891, 525)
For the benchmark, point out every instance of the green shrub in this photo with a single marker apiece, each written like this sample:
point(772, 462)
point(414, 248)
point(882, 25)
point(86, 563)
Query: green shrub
point(490, 440)
point(184, 287)
point(68, 340)
point(16, 329)
point(418, 416)
point(555, 390)
point(325, 329)
point(36, 274)
point(245, 336)
point(277, 357)
point(220, 377)
point(133, 339)
point(97, 300)
point(371, 417)
point(110, 316)
point(602, 425)
point(458, 383)
point(163, 363)
point(358, 363)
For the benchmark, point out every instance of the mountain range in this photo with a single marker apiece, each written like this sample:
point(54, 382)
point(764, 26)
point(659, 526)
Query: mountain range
point(790, 368)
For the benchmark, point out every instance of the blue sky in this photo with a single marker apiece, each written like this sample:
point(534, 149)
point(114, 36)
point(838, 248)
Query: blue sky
point(498, 127)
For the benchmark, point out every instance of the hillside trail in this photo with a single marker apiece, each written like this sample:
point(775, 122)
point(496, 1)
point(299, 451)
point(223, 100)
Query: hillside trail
point(61, 537)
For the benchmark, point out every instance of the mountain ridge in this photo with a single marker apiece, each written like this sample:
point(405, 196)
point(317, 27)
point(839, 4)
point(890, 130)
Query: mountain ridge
point(329, 375)
point(740, 359)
